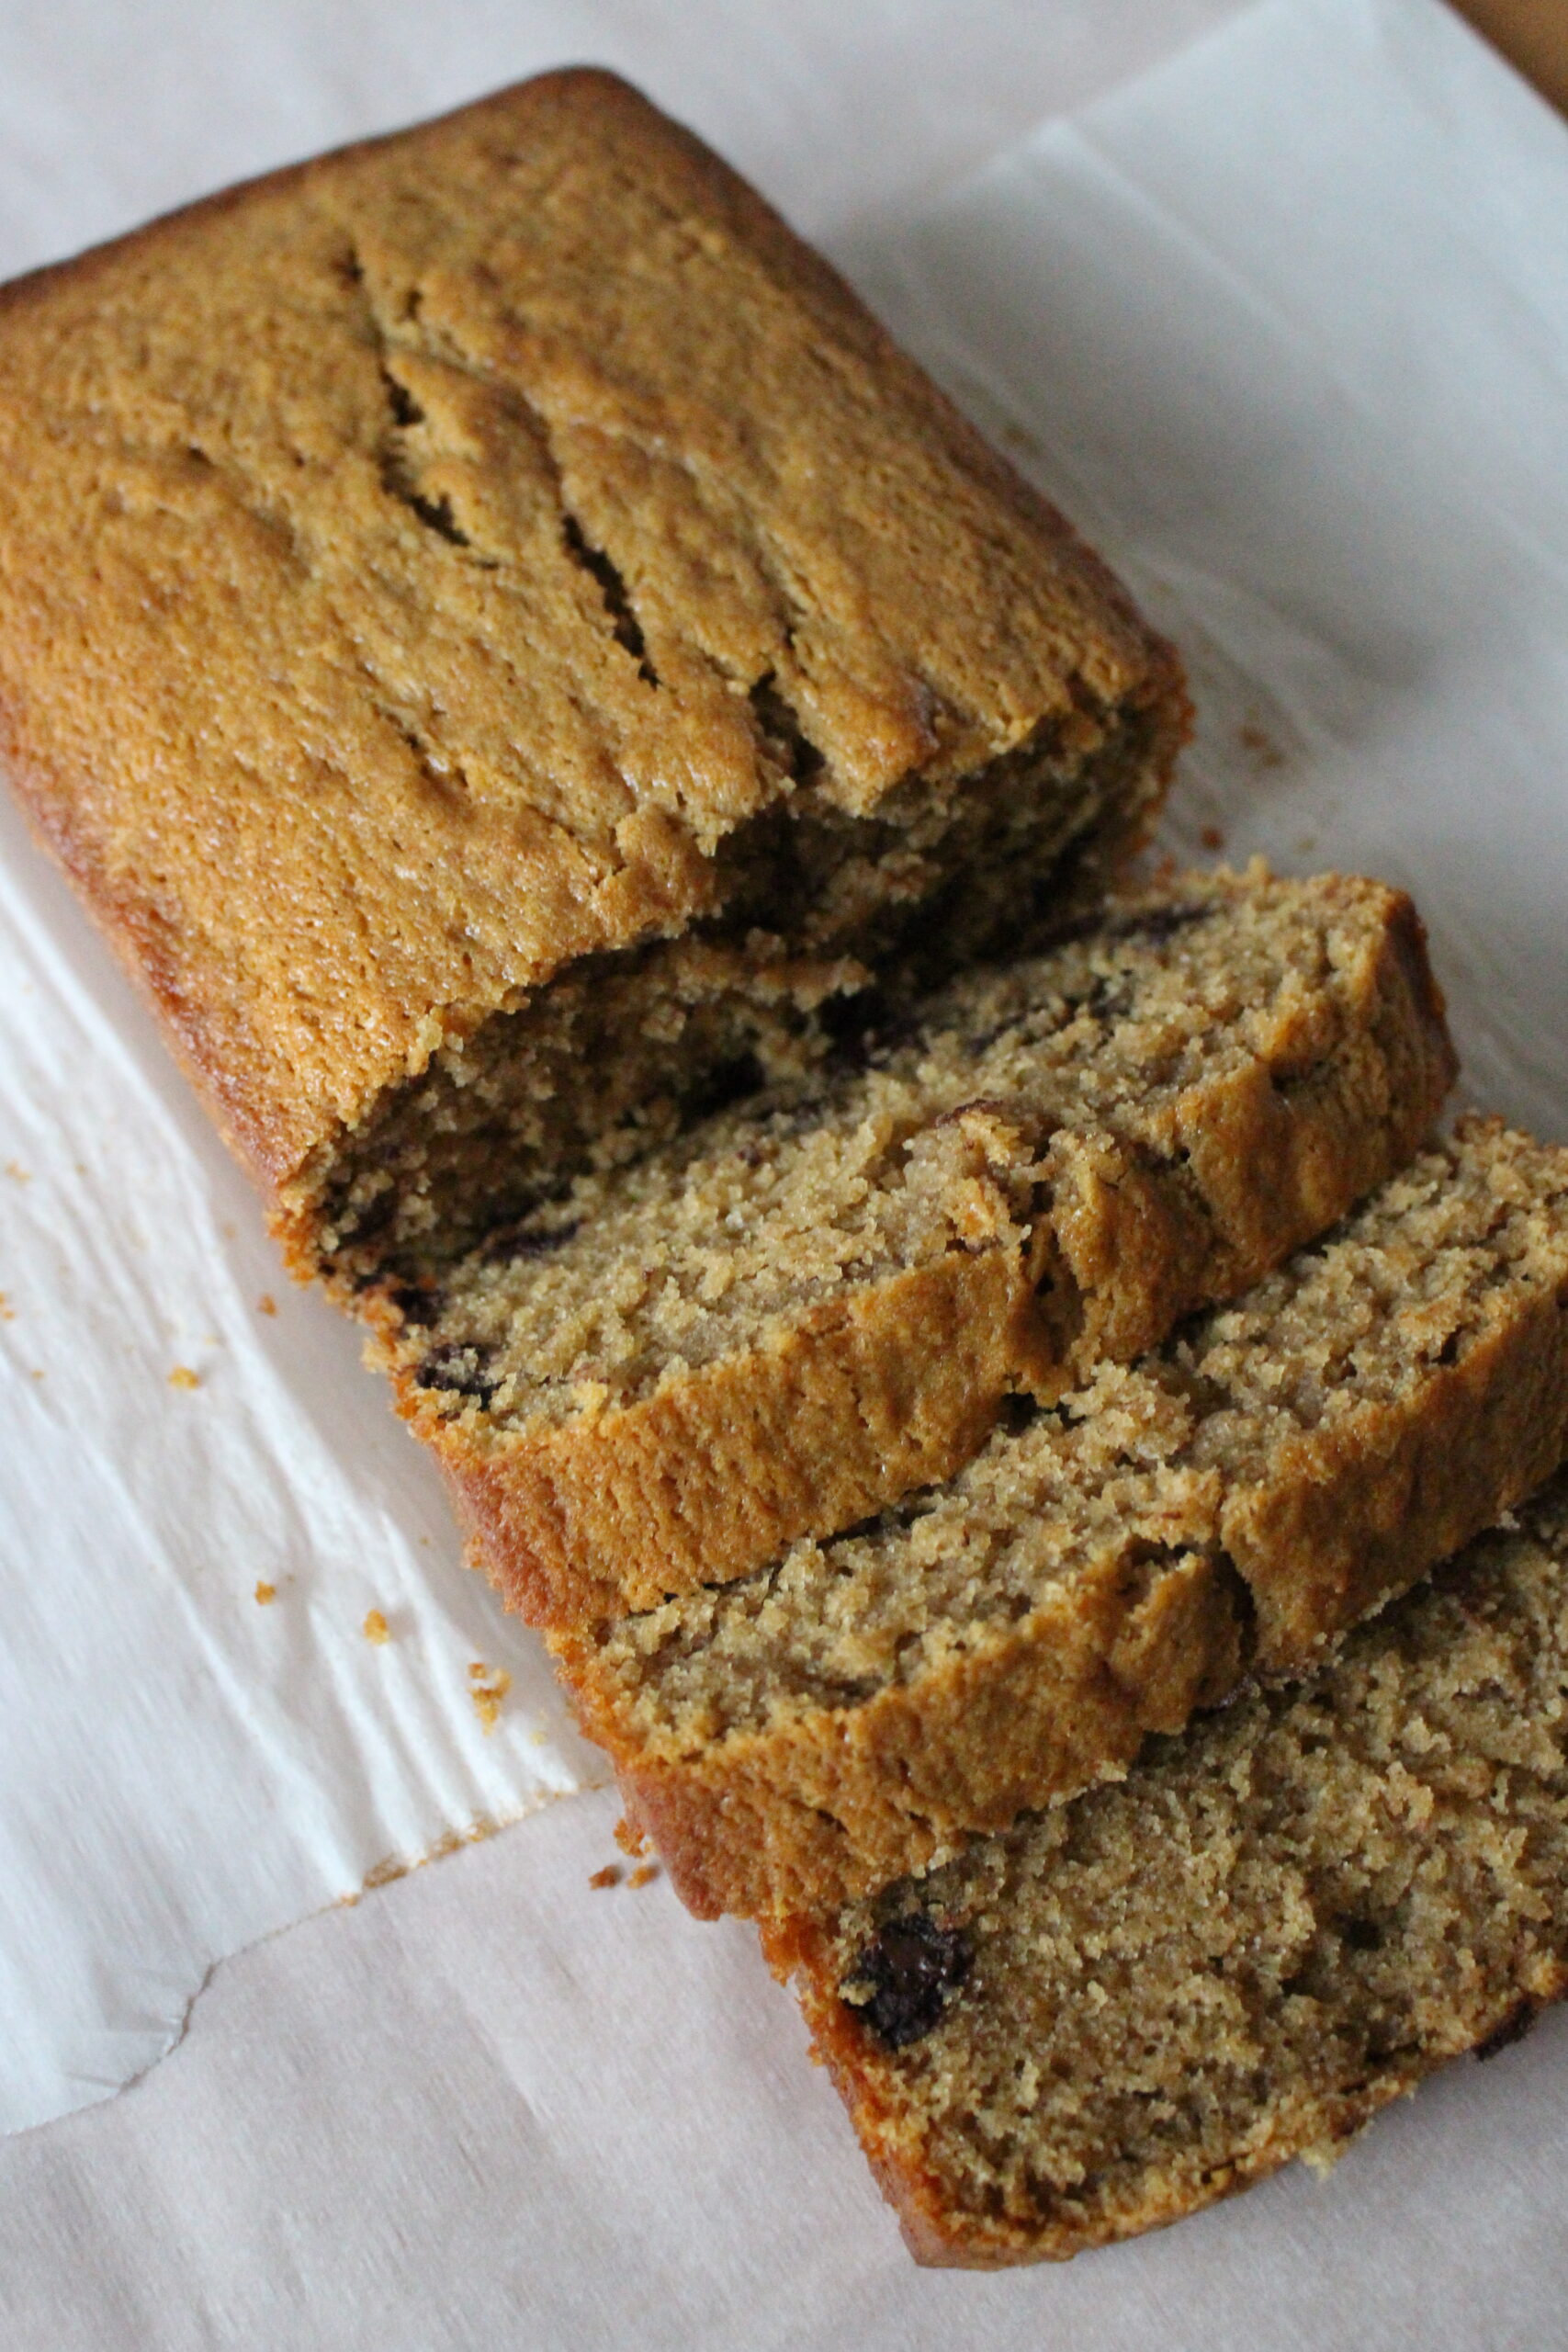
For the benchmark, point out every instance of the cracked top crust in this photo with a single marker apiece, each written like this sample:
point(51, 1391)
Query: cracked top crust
point(416, 564)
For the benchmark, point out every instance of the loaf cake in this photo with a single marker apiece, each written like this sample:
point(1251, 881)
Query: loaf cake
point(1273, 1474)
point(799, 1310)
point(1283, 1919)
point(502, 639)
point(540, 692)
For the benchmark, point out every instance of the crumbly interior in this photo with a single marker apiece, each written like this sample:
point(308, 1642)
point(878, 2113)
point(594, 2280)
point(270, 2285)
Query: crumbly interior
point(1283, 1916)
point(1100, 1477)
point(1410, 1281)
point(1133, 1469)
point(641, 1274)
point(609, 1060)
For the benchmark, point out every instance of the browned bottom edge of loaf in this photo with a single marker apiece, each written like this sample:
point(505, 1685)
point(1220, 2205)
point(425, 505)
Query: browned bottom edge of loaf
point(940, 2238)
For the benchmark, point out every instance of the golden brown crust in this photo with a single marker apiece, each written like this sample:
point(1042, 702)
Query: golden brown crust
point(1356, 1515)
point(813, 1811)
point(705, 1476)
point(388, 546)
point(719, 1469)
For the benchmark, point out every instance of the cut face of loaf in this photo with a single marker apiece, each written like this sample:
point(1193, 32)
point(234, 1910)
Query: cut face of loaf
point(1231, 1503)
point(501, 638)
point(1278, 1922)
point(799, 1312)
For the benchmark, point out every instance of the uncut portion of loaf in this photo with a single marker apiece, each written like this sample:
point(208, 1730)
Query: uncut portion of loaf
point(1275, 1473)
point(500, 635)
point(800, 1311)
point(1282, 1921)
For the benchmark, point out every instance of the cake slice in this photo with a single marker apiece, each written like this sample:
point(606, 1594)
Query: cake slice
point(501, 638)
point(1271, 1476)
point(799, 1311)
point(1279, 1921)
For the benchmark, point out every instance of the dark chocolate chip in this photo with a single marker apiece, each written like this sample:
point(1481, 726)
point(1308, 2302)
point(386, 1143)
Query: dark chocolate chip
point(459, 1372)
point(914, 1967)
point(1512, 2029)
point(416, 1304)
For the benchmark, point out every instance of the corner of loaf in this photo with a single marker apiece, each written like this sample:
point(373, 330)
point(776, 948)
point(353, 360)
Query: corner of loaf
point(574, 649)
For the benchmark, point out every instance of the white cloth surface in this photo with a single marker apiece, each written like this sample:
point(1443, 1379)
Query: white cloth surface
point(1286, 326)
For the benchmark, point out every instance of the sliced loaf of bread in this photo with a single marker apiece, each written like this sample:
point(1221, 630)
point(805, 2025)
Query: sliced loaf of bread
point(804, 1308)
point(1233, 1502)
point(1279, 1921)
point(496, 631)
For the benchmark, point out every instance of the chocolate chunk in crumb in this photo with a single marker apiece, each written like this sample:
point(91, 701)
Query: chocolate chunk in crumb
point(913, 1967)
point(416, 1304)
point(459, 1371)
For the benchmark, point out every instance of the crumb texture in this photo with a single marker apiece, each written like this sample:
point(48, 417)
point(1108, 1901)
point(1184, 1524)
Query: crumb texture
point(804, 1306)
point(1281, 1467)
point(1282, 1921)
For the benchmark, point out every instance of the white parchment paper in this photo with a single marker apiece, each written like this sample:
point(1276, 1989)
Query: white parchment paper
point(1285, 326)
point(204, 1498)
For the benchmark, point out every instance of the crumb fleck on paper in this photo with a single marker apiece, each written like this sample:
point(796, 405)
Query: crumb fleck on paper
point(376, 1628)
point(265, 1593)
point(181, 1377)
point(609, 1876)
point(490, 1685)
